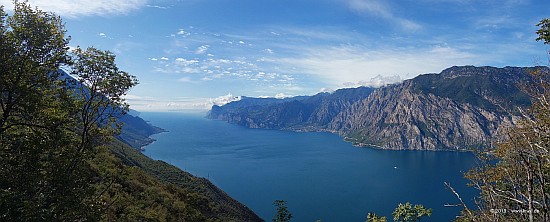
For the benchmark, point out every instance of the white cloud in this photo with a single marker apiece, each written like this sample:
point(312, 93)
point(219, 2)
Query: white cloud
point(77, 8)
point(282, 96)
point(182, 32)
point(277, 96)
point(135, 97)
point(169, 104)
point(371, 6)
point(383, 10)
point(103, 35)
point(366, 66)
point(202, 49)
point(222, 100)
point(329, 90)
point(185, 62)
point(185, 79)
point(164, 58)
point(158, 6)
point(376, 81)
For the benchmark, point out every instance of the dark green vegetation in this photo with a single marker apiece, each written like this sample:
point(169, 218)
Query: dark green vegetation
point(59, 158)
point(491, 89)
point(136, 131)
point(460, 108)
point(146, 189)
point(403, 213)
point(282, 215)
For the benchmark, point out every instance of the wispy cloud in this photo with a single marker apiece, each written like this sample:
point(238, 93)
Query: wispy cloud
point(202, 49)
point(158, 6)
point(343, 65)
point(187, 79)
point(78, 8)
point(209, 67)
point(178, 104)
point(381, 9)
point(329, 56)
point(370, 6)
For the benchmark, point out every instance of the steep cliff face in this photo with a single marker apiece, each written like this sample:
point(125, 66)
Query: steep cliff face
point(396, 117)
point(300, 113)
point(459, 109)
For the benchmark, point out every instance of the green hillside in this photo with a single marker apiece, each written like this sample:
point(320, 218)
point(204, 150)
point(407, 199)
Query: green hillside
point(137, 188)
point(65, 140)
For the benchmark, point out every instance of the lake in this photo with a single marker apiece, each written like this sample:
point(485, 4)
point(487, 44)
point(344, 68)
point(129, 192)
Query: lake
point(321, 176)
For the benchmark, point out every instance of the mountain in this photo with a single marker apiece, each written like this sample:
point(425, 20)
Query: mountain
point(172, 194)
point(305, 113)
point(134, 187)
point(461, 108)
point(143, 189)
point(136, 132)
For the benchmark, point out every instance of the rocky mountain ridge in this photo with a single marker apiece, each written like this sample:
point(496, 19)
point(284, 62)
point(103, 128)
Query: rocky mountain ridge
point(461, 108)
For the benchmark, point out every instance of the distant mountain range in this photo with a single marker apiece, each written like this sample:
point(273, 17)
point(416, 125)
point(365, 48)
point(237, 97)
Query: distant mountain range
point(461, 108)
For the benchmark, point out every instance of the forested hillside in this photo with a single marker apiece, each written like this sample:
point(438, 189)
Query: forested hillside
point(60, 154)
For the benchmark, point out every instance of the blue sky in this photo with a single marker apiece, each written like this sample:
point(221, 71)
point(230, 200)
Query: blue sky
point(190, 54)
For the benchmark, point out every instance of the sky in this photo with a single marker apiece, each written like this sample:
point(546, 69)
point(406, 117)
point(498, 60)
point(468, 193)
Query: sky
point(191, 54)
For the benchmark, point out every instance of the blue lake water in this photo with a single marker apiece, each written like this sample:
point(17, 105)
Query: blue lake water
point(320, 175)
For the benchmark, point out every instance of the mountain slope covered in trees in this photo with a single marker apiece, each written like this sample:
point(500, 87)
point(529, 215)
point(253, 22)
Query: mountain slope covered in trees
point(59, 158)
point(139, 188)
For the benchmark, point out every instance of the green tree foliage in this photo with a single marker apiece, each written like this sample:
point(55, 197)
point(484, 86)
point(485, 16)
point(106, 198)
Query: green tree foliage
point(128, 193)
point(33, 132)
point(403, 213)
point(372, 217)
point(58, 159)
point(544, 31)
point(282, 215)
point(32, 47)
point(407, 213)
point(514, 176)
point(98, 95)
point(48, 130)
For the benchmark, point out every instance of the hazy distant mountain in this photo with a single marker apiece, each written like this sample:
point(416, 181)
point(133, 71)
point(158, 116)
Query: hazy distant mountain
point(305, 113)
point(136, 132)
point(459, 108)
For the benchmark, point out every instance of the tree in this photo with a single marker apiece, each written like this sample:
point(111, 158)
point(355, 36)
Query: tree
point(544, 31)
point(32, 125)
point(407, 213)
point(403, 212)
point(372, 217)
point(50, 126)
point(282, 215)
point(514, 176)
point(98, 90)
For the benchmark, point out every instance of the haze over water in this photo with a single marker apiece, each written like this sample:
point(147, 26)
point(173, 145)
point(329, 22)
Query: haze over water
point(320, 175)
